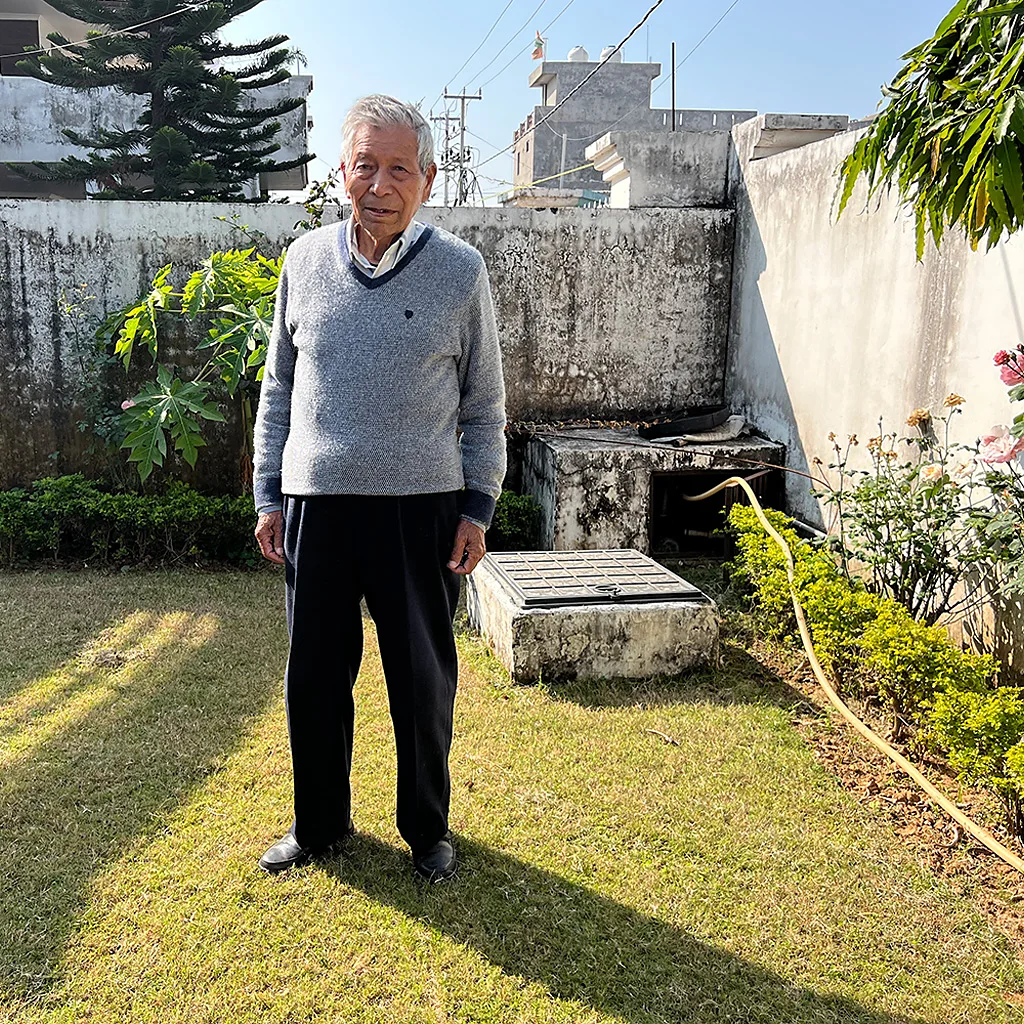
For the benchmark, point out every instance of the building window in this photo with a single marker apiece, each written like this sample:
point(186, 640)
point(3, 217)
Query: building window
point(527, 145)
point(15, 35)
point(518, 155)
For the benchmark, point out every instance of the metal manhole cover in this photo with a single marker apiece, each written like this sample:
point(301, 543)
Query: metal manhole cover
point(548, 578)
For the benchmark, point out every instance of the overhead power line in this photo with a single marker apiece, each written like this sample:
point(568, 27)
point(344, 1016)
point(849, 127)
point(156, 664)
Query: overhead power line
point(519, 53)
point(572, 92)
point(510, 40)
point(102, 35)
point(665, 78)
point(477, 50)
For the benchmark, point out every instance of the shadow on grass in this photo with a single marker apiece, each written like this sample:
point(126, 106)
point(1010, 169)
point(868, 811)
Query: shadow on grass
point(739, 679)
point(585, 947)
point(89, 778)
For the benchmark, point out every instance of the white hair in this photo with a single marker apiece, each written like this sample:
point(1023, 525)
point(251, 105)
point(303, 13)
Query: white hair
point(387, 112)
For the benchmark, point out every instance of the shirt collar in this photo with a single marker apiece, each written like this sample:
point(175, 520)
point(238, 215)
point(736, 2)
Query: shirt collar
point(392, 254)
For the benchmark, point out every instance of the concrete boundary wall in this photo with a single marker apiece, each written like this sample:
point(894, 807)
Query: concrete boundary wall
point(601, 312)
point(836, 324)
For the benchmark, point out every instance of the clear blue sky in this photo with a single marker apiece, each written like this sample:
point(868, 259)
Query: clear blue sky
point(803, 56)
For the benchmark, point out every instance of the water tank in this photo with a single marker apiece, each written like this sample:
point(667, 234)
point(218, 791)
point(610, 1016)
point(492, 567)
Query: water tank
point(577, 53)
point(617, 58)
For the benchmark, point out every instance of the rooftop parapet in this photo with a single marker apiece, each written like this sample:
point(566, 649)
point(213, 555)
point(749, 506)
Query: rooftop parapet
point(663, 169)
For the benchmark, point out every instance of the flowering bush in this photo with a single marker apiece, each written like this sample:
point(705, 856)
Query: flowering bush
point(908, 519)
point(1000, 523)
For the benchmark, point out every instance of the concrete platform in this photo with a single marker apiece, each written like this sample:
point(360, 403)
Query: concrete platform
point(620, 638)
point(594, 485)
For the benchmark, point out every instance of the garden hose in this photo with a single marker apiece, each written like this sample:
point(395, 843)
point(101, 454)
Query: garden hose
point(985, 838)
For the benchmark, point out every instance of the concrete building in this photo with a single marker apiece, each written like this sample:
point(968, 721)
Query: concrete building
point(33, 113)
point(617, 97)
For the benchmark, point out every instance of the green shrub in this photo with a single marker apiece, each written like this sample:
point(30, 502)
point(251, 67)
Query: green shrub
point(981, 734)
point(516, 524)
point(912, 662)
point(835, 609)
point(70, 519)
point(873, 645)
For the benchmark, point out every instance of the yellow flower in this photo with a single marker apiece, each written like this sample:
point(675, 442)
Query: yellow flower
point(932, 473)
point(918, 417)
point(953, 400)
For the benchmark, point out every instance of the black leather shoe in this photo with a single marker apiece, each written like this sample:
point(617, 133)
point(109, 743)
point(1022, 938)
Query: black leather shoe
point(287, 853)
point(438, 862)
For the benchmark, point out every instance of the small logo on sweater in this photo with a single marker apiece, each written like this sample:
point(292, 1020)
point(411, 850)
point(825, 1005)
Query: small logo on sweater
point(408, 314)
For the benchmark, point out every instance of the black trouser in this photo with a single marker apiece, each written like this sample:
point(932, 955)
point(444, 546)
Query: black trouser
point(394, 551)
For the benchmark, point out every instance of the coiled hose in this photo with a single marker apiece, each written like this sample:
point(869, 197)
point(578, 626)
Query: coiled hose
point(984, 837)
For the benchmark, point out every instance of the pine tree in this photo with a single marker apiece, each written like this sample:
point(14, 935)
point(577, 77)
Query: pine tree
point(196, 138)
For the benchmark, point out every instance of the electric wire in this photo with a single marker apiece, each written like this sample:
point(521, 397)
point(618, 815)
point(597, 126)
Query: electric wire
point(508, 43)
point(477, 50)
point(982, 835)
point(572, 92)
point(103, 35)
point(664, 78)
point(537, 181)
point(519, 53)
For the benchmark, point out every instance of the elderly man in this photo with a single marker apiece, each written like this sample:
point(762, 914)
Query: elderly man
point(379, 455)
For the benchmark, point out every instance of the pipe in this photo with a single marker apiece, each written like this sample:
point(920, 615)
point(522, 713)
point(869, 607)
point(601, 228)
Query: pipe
point(984, 837)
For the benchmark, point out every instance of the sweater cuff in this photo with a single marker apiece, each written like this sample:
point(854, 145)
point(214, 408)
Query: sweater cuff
point(477, 507)
point(266, 494)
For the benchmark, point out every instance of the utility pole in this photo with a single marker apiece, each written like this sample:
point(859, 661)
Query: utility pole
point(673, 87)
point(462, 188)
point(445, 162)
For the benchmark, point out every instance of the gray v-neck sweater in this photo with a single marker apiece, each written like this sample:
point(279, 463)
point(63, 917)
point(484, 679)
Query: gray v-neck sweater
point(368, 381)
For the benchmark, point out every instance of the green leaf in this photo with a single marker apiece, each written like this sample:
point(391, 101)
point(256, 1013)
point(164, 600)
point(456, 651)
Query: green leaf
point(1012, 176)
point(950, 19)
point(1000, 9)
point(1004, 113)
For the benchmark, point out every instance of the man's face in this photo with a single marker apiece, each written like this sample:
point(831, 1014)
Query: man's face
point(383, 179)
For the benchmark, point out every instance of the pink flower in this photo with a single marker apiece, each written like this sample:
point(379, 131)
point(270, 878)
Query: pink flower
point(999, 445)
point(1002, 357)
point(1011, 373)
point(127, 404)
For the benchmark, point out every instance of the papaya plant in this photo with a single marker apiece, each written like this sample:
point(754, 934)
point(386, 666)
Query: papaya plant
point(232, 294)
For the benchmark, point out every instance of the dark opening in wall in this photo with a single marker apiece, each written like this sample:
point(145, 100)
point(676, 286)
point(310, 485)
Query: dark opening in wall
point(15, 35)
point(688, 528)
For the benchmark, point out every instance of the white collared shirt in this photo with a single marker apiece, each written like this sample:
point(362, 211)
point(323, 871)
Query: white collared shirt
point(392, 255)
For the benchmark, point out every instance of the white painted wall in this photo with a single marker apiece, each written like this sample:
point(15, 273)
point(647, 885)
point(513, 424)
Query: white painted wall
point(32, 114)
point(836, 324)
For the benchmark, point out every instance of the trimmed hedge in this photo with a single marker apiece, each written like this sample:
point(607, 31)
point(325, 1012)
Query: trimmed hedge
point(516, 523)
point(70, 519)
point(936, 692)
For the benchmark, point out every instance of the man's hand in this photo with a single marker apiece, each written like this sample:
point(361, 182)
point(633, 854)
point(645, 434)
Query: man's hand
point(469, 548)
point(270, 536)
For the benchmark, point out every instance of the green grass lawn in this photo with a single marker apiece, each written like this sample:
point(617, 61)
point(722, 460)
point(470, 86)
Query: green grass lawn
point(607, 875)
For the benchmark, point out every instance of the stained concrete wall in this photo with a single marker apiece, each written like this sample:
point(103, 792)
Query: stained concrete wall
point(617, 97)
point(539, 154)
point(601, 312)
point(837, 324)
point(664, 169)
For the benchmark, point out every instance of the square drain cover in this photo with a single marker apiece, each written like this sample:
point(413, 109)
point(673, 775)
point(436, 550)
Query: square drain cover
point(552, 578)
